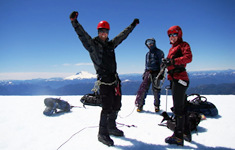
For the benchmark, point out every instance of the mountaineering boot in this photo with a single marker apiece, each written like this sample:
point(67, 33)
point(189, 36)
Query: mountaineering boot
point(188, 137)
point(116, 132)
point(187, 129)
point(174, 140)
point(140, 108)
point(112, 128)
point(105, 139)
point(103, 135)
point(177, 137)
point(157, 108)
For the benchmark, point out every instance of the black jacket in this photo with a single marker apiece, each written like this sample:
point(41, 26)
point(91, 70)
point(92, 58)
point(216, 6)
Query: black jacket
point(102, 53)
point(154, 59)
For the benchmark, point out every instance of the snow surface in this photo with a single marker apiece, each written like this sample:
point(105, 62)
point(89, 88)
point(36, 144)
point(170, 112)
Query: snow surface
point(24, 127)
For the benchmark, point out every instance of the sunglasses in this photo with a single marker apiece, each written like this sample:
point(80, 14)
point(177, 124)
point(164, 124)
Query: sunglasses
point(174, 35)
point(103, 31)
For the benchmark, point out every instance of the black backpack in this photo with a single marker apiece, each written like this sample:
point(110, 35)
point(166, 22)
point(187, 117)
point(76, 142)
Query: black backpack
point(91, 99)
point(200, 104)
point(194, 119)
point(52, 104)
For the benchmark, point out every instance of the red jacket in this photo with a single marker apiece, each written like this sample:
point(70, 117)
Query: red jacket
point(181, 53)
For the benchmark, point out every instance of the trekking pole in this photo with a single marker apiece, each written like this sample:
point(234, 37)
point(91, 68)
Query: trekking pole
point(167, 88)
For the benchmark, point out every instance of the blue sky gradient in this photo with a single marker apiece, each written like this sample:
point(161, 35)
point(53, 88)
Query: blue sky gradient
point(37, 36)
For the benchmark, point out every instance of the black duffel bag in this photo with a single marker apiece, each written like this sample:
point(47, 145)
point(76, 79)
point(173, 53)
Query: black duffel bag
point(200, 104)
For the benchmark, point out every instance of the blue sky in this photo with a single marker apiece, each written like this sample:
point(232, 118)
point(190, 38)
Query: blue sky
point(38, 40)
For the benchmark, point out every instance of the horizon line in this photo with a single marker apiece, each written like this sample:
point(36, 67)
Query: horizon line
point(49, 75)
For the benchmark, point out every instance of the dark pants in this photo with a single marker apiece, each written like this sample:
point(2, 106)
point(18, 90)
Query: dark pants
point(111, 99)
point(179, 97)
point(155, 87)
point(179, 103)
point(111, 103)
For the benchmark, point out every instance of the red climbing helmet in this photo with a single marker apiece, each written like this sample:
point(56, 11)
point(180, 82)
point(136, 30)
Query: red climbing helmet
point(175, 29)
point(103, 24)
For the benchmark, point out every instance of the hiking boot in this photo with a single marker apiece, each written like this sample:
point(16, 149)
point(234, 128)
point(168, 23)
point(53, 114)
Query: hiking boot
point(157, 108)
point(174, 140)
point(103, 135)
point(105, 139)
point(116, 132)
point(140, 108)
point(177, 137)
point(188, 137)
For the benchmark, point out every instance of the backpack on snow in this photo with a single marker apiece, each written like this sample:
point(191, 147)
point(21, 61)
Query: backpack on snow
point(91, 99)
point(200, 104)
point(52, 104)
point(194, 119)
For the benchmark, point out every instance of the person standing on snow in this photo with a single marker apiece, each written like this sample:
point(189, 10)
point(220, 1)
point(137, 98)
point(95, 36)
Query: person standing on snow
point(179, 55)
point(153, 62)
point(101, 51)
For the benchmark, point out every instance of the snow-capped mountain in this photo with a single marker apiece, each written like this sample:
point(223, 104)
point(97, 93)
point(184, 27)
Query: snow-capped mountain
point(203, 82)
point(81, 75)
point(204, 74)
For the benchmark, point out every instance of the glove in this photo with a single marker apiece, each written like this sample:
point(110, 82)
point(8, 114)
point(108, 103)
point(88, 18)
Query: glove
point(73, 15)
point(167, 62)
point(135, 22)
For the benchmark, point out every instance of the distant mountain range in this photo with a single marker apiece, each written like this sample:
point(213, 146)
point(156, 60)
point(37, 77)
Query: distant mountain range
point(201, 82)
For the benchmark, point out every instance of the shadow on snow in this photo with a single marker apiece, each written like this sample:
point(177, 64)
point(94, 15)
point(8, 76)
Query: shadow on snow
point(139, 145)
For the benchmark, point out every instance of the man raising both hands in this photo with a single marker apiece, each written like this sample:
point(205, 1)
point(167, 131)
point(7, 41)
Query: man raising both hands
point(102, 54)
